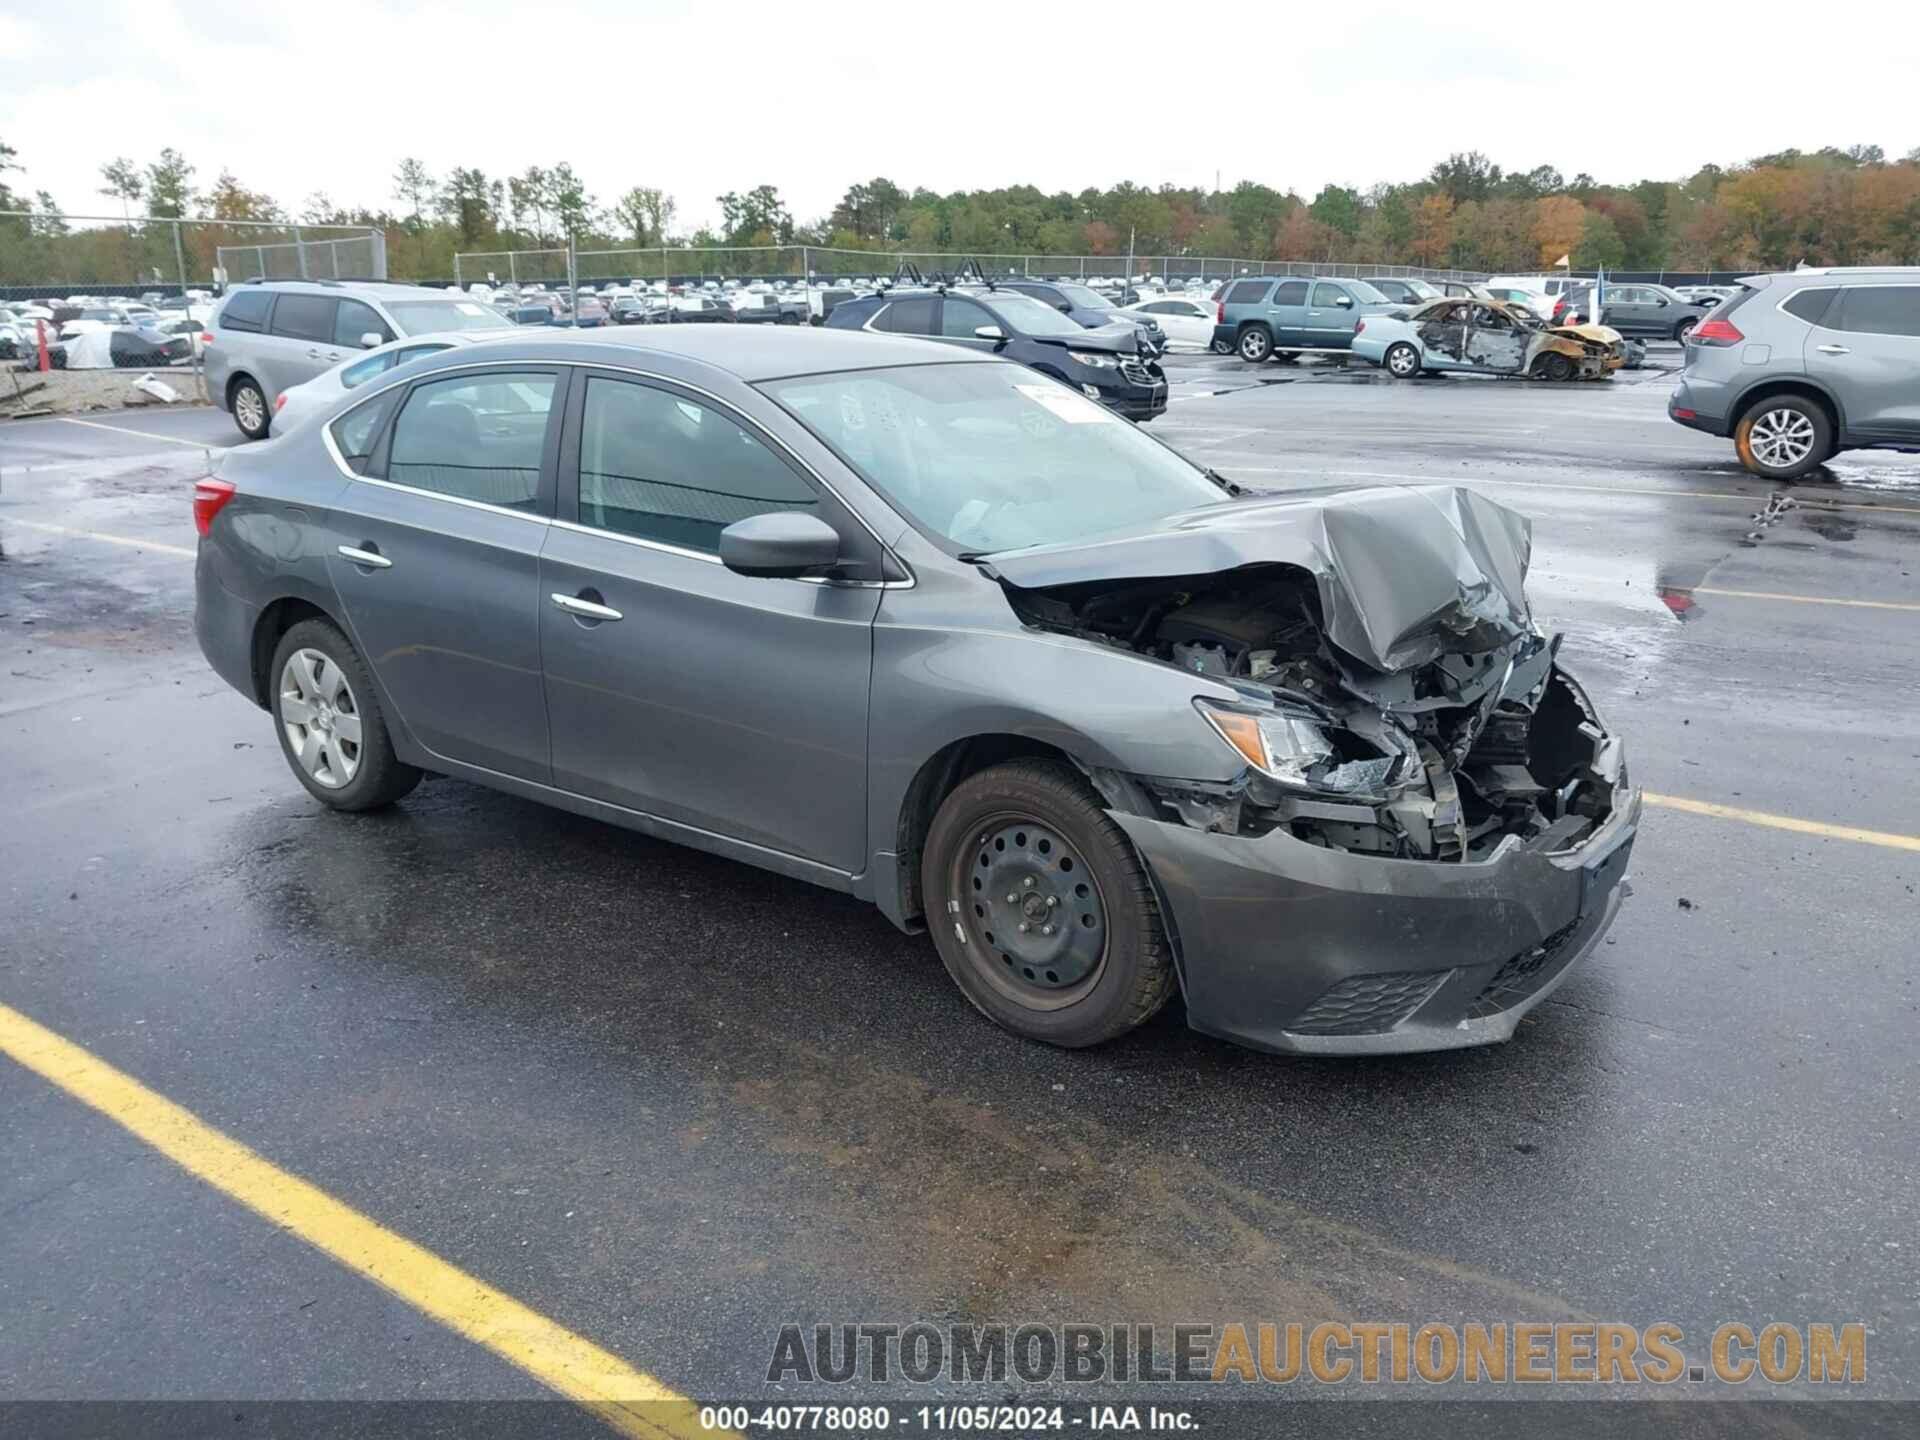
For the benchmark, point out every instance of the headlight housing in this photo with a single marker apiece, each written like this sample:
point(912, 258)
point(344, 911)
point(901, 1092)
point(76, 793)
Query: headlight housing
point(1094, 359)
point(1291, 748)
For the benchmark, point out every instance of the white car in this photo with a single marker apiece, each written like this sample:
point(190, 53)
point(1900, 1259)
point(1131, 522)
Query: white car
point(298, 402)
point(1188, 322)
point(1538, 301)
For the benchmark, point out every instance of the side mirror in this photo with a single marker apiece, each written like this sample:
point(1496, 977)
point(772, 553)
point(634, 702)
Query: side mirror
point(1662, 300)
point(1345, 302)
point(780, 545)
point(1063, 307)
point(370, 340)
point(988, 332)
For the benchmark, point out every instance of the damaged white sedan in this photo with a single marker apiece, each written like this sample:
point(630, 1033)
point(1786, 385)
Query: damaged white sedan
point(940, 632)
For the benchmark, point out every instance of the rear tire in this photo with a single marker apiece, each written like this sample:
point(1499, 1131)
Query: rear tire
point(328, 718)
point(248, 402)
point(1025, 848)
point(1255, 344)
point(1222, 347)
point(1402, 361)
point(1783, 437)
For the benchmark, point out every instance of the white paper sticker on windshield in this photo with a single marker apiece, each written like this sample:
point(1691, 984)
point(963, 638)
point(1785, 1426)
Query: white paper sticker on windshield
point(1065, 405)
point(467, 308)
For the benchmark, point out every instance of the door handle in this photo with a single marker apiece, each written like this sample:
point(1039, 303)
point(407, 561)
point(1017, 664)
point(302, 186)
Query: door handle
point(372, 559)
point(586, 609)
point(1833, 349)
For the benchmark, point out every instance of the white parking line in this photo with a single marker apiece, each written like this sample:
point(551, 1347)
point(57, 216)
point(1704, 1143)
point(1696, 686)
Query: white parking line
point(103, 538)
point(123, 430)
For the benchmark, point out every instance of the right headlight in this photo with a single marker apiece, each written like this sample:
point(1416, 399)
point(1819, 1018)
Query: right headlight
point(1291, 748)
point(1094, 358)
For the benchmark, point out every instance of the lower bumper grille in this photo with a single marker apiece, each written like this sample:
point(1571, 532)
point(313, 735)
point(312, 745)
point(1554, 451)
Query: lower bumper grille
point(1522, 975)
point(1368, 1004)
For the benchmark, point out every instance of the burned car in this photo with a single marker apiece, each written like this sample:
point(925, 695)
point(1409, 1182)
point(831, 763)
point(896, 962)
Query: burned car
point(931, 629)
point(1491, 337)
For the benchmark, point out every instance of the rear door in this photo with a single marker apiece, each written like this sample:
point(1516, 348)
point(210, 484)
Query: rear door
point(1287, 314)
point(437, 558)
point(730, 704)
point(1867, 349)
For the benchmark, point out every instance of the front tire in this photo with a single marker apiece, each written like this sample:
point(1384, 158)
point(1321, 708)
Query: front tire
point(249, 405)
point(328, 719)
point(1256, 344)
point(1683, 330)
point(1553, 366)
point(1402, 361)
point(1784, 437)
point(1041, 908)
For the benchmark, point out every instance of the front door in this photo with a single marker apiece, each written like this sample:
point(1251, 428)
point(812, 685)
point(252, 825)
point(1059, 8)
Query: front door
point(731, 704)
point(1331, 311)
point(436, 556)
point(1443, 335)
point(960, 318)
point(1867, 349)
point(1494, 342)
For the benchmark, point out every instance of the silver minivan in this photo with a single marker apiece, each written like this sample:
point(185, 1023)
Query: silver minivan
point(269, 336)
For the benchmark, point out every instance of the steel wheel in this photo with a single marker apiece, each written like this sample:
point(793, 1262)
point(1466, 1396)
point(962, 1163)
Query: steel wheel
point(1034, 905)
point(321, 718)
point(1403, 361)
point(1781, 438)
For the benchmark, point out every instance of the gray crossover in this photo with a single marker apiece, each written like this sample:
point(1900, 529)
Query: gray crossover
point(1798, 367)
point(939, 632)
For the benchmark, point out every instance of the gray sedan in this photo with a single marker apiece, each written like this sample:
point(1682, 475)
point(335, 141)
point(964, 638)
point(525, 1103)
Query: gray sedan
point(936, 631)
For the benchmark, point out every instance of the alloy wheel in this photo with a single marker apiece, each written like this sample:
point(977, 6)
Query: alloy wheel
point(1781, 438)
point(1403, 361)
point(321, 718)
point(249, 408)
point(1034, 913)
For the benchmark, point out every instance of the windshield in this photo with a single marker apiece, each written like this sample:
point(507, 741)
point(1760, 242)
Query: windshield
point(1365, 293)
point(1422, 289)
point(1086, 298)
point(994, 457)
point(419, 317)
point(1033, 317)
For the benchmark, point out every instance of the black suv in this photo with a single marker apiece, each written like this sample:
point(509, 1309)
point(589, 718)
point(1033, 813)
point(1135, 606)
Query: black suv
point(1108, 365)
point(1087, 306)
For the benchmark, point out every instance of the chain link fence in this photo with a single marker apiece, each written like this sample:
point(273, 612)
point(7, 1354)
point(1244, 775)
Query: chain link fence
point(52, 256)
point(678, 264)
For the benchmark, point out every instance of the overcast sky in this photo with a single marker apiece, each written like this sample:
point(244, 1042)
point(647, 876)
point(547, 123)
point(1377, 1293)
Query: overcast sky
point(703, 98)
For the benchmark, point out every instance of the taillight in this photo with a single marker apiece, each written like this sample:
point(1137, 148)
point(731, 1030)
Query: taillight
point(1220, 313)
point(279, 402)
point(1358, 326)
point(1717, 333)
point(209, 496)
point(206, 337)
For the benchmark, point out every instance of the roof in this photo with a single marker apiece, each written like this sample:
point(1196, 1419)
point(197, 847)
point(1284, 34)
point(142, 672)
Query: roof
point(748, 352)
point(385, 289)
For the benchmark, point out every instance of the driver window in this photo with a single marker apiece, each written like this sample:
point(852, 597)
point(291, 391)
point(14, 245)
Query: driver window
point(960, 318)
point(1327, 297)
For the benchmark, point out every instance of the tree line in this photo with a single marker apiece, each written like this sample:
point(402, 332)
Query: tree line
point(1829, 206)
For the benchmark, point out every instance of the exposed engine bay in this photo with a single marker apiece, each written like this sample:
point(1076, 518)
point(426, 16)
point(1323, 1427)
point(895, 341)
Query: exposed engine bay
point(1479, 738)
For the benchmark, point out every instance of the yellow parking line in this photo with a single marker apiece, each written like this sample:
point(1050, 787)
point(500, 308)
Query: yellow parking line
point(123, 430)
point(631, 1402)
point(1803, 599)
point(1886, 838)
point(102, 537)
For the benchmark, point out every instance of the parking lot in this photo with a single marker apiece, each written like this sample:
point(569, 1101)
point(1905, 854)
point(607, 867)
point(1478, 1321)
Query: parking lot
point(672, 1104)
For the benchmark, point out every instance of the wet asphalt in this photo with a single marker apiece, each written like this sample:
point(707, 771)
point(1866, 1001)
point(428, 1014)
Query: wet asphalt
point(675, 1103)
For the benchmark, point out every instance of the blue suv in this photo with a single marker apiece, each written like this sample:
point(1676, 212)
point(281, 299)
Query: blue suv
point(1289, 315)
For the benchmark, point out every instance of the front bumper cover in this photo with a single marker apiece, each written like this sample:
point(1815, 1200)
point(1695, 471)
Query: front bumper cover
point(1292, 947)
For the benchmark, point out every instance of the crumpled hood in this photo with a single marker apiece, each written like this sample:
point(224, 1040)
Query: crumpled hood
point(1405, 573)
point(1121, 337)
point(1599, 334)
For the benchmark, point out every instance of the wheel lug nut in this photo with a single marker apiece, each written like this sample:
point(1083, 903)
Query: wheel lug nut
point(1052, 900)
point(1023, 927)
point(1013, 899)
point(1046, 929)
point(1028, 882)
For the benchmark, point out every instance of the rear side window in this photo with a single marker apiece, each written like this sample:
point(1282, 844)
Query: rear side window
point(1809, 305)
point(1293, 292)
point(359, 373)
point(355, 320)
point(662, 468)
point(355, 432)
point(246, 310)
point(909, 317)
point(474, 438)
point(304, 317)
point(1878, 310)
point(1248, 292)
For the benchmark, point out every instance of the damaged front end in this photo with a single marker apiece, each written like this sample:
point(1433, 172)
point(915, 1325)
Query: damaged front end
point(1417, 765)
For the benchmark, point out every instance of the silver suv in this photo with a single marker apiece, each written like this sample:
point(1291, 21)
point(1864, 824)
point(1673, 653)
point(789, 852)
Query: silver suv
point(1797, 367)
point(272, 335)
